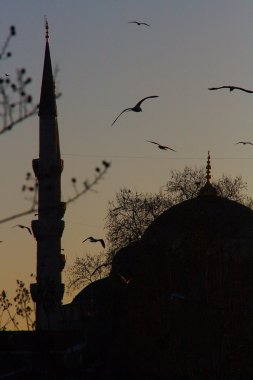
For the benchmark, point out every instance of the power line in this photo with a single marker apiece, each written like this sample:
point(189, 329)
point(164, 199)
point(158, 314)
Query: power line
point(152, 157)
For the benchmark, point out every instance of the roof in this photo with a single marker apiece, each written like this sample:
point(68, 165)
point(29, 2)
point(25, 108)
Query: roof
point(210, 215)
point(98, 290)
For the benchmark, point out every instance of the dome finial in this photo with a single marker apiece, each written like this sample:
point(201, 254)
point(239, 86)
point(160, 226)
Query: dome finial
point(46, 28)
point(208, 189)
point(208, 168)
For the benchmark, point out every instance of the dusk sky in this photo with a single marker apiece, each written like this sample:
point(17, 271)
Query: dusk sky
point(106, 65)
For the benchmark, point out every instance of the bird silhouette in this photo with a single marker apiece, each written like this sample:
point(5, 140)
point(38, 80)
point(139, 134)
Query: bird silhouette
point(94, 240)
point(101, 266)
point(245, 142)
point(163, 147)
point(21, 226)
point(231, 88)
point(138, 23)
point(126, 280)
point(136, 108)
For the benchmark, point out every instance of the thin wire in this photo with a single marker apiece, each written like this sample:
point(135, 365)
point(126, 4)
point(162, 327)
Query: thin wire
point(153, 157)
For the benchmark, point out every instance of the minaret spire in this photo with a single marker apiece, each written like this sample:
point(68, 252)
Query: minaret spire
point(48, 229)
point(47, 97)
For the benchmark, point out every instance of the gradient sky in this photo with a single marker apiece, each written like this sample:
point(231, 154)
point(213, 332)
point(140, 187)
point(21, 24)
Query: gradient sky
point(106, 65)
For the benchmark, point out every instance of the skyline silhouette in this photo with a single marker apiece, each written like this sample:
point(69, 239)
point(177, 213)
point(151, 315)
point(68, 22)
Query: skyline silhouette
point(187, 49)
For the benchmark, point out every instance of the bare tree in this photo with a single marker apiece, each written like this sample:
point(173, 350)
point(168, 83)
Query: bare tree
point(233, 188)
point(129, 215)
point(186, 184)
point(17, 311)
point(86, 270)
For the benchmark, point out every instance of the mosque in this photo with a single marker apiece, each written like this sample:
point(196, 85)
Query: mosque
point(176, 305)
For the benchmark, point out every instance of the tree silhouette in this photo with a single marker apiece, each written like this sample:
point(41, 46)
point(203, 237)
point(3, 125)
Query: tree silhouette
point(16, 102)
point(87, 269)
point(17, 311)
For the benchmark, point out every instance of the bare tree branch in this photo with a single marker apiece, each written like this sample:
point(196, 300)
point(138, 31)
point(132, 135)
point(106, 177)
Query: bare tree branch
point(16, 104)
point(88, 186)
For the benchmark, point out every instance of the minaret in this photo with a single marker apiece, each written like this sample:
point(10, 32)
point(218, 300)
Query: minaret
point(48, 291)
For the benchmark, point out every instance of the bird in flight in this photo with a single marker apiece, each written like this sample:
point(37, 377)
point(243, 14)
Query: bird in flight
point(21, 226)
point(163, 147)
point(136, 108)
point(138, 23)
point(126, 280)
point(94, 240)
point(245, 142)
point(101, 266)
point(231, 88)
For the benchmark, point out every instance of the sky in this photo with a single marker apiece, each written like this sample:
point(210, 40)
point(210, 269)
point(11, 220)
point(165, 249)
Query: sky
point(107, 64)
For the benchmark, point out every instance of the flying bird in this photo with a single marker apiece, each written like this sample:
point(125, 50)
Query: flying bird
point(245, 142)
point(101, 266)
point(21, 226)
point(163, 147)
point(136, 108)
point(94, 240)
point(126, 280)
point(138, 23)
point(231, 88)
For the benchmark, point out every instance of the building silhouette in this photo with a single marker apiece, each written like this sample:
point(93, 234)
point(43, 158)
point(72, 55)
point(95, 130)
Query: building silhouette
point(176, 305)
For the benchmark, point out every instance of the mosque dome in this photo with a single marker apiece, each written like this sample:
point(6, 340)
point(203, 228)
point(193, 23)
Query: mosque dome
point(208, 216)
point(211, 216)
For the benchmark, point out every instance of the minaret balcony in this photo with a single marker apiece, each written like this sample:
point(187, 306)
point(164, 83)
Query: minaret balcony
point(47, 169)
point(43, 230)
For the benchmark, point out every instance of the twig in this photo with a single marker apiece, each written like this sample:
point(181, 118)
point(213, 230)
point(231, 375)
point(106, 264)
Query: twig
point(87, 187)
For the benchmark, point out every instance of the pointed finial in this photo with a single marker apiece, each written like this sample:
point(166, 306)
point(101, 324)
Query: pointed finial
point(46, 28)
point(208, 168)
point(208, 189)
